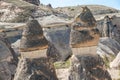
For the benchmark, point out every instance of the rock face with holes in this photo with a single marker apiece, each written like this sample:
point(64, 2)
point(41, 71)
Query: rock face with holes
point(116, 28)
point(88, 67)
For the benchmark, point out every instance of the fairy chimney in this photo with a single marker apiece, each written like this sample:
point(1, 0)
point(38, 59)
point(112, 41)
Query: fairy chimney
point(84, 32)
point(32, 37)
point(85, 18)
point(84, 38)
point(34, 64)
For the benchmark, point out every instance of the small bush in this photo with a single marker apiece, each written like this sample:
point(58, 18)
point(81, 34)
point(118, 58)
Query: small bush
point(59, 65)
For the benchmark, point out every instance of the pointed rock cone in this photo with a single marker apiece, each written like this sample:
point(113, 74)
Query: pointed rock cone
point(35, 69)
point(32, 37)
point(84, 38)
point(86, 18)
point(84, 32)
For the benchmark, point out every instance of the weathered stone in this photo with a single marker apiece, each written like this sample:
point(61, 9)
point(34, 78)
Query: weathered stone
point(32, 37)
point(88, 67)
point(116, 28)
point(108, 47)
point(84, 37)
point(107, 27)
point(116, 62)
point(84, 32)
point(59, 37)
point(35, 69)
point(86, 18)
point(8, 60)
point(85, 63)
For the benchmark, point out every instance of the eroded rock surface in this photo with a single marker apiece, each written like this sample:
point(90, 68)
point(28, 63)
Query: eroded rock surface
point(35, 69)
point(88, 67)
point(8, 60)
point(108, 47)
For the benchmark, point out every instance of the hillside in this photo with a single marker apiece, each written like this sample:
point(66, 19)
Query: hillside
point(96, 10)
point(20, 11)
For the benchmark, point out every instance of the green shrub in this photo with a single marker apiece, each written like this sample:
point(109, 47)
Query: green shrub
point(59, 65)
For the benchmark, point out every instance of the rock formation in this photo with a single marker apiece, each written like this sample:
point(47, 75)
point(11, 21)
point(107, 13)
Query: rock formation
point(116, 62)
point(116, 28)
point(34, 64)
point(88, 67)
point(59, 37)
point(8, 60)
point(107, 27)
point(85, 63)
point(108, 47)
point(86, 18)
point(36, 2)
point(84, 32)
point(35, 69)
point(32, 37)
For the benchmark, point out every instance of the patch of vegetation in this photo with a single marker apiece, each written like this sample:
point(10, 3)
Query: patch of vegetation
point(59, 65)
point(108, 60)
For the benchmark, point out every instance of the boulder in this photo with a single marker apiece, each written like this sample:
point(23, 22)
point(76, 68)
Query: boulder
point(58, 37)
point(116, 62)
point(108, 47)
point(32, 37)
point(35, 69)
point(8, 60)
point(88, 67)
